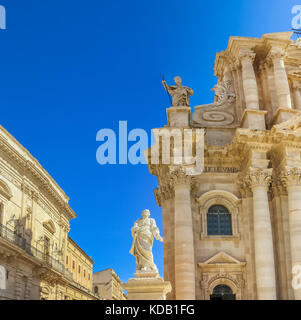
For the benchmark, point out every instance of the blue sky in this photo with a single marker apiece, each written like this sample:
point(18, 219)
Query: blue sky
point(70, 68)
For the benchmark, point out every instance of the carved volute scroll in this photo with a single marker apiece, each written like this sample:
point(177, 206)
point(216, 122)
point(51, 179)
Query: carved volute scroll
point(219, 113)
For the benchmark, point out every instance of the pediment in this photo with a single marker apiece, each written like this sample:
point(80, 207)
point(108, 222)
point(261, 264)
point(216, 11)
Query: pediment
point(4, 190)
point(221, 258)
point(49, 225)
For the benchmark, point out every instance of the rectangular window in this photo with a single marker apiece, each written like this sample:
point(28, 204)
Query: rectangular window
point(78, 269)
point(84, 273)
point(73, 264)
point(89, 276)
point(66, 259)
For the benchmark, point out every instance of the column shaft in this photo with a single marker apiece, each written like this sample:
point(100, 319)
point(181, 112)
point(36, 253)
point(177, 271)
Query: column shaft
point(294, 207)
point(264, 251)
point(297, 95)
point(184, 245)
point(249, 80)
point(281, 81)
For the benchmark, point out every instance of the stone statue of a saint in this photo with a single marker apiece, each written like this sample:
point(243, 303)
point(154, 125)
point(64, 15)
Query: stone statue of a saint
point(180, 94)
point(143, 232)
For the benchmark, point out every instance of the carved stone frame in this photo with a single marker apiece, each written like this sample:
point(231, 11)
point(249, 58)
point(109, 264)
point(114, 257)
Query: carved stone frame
point(224, 198)
point(222, 269)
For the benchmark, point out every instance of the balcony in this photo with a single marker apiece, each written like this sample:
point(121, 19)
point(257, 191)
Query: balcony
point(21, 242)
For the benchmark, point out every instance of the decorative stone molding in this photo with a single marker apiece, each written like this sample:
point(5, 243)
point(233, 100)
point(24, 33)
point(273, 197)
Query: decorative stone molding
point(291, 177)
point(278, 188)
point(259, 178)
point(276, 53)
point(19, 156)
point(222, 269)
point(163, 193)
point(246, 55)
point(50, 226)
point(5, 190)
point(210, 115)
point(224, 198)
point(179, 177)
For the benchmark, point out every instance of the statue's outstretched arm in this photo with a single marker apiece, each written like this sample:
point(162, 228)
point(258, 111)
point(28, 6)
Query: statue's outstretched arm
point(156, 231)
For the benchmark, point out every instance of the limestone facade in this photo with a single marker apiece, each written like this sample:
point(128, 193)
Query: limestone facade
point(108, 286)
point(34, 225)
point(252, 170)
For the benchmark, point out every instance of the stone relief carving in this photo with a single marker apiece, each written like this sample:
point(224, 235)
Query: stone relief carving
point(210, 115)
point(143, 232)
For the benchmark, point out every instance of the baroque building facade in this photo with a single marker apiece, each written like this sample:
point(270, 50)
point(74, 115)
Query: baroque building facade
point(38, 260)
point(108, 286)
point(233, 231)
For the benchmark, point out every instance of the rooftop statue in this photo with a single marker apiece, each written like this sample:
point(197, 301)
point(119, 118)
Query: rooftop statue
point(143, 232)
point(180, 94)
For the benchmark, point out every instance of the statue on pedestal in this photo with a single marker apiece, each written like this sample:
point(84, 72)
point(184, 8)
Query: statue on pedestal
point(143, 232)
point(180, 94)
point(147, 283)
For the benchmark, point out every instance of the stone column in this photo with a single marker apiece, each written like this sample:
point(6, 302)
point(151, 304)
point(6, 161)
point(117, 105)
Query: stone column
point(259, 181)
point(184, 244)
point(247, 57)
point(238, 100)
point(297, 96)
point(291, 178)
point(252, 118)
point(277, 55)
point(165, 198)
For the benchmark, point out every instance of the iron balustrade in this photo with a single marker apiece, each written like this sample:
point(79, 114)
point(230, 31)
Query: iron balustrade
point(22, 243)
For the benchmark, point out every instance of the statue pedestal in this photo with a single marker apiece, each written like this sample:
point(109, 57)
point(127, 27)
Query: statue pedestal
point(147, 286)
point(178, 116)
point(253, 119)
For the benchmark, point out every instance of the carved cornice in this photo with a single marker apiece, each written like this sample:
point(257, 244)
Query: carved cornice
point(33, 169)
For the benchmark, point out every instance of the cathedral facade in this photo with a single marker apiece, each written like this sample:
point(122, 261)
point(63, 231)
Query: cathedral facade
point(233, 231)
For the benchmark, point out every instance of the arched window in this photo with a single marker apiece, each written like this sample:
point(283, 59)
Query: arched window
point(222, 292)
point(219, 221)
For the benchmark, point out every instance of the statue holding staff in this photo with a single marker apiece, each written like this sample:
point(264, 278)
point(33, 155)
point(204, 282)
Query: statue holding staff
point(180, 94)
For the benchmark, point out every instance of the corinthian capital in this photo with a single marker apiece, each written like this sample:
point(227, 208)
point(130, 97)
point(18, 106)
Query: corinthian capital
point(276, 53)
point(163, 193)
point(296, 85)
point(259, 178)
point(247, 55)
point(291, 177)
point(179, 176)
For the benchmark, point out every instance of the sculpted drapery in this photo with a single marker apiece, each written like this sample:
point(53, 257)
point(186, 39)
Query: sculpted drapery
point(143, 232)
